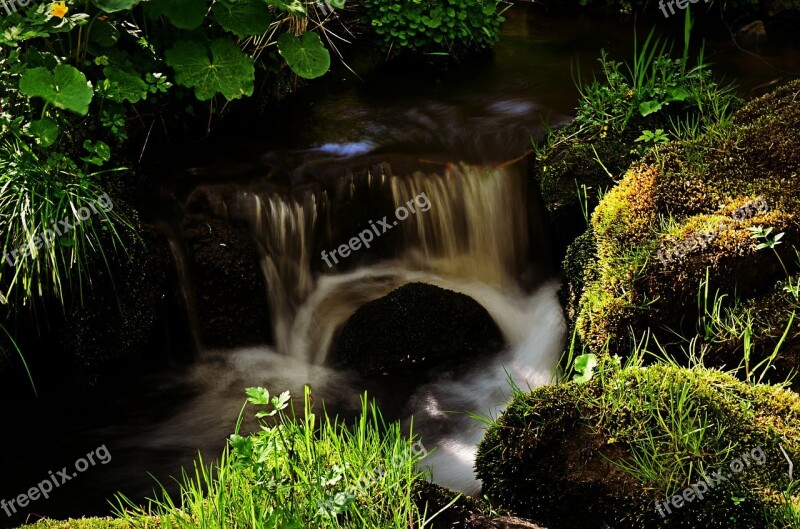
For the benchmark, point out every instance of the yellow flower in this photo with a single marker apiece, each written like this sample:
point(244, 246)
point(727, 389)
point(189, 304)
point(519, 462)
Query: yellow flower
point(58, 9)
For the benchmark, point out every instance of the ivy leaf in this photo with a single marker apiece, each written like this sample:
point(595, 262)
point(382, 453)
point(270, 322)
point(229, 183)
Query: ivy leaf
point(66, 87)
point(44, 130)
point(121, 86)
point(112, 6)
point(243, 18)
point(228, 71)
point(584, 365)
point(183, 14)
point(305, 55)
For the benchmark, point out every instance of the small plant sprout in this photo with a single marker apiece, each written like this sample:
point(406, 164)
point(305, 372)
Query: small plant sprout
point(584, 365)
point(759, 232)
point(649, 136)
point(763, 234)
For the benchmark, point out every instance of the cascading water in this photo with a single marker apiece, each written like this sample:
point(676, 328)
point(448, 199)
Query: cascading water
point(474, 239)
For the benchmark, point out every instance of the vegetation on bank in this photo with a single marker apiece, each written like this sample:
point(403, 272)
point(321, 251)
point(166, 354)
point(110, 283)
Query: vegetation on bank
point(609, 445)
point(298, 471)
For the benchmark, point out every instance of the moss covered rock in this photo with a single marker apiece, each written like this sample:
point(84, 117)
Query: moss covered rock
point(680, 194)
point(83, 523)
point(603, 453)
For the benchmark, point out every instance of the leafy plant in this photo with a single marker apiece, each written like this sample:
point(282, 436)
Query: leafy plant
point(299, 472)
point(651, 85)
point(584, 365)
point(436, 28)
point(654, 137)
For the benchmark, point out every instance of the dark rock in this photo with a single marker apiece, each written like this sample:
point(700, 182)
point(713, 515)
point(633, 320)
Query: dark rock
point(463, 512)
point(416, 326)
point(230, 294)
point(752, 34)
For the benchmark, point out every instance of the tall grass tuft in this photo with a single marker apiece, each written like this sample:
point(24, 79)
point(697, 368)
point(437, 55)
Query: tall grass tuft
point(297, 472)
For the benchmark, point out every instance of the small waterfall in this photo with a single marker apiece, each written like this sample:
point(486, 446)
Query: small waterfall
point(476, 227)
point(283, 227)
point(187, 292)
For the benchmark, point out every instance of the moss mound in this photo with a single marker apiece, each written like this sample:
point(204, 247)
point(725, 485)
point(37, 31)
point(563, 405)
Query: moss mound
point(601, 454)
point(83, 523)
point(680, 193)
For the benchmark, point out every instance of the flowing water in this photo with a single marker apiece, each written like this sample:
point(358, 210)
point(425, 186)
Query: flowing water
point(364, 149)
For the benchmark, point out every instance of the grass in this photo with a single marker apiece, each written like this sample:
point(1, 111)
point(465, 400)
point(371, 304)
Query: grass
point(35, 195)
point(297, 472)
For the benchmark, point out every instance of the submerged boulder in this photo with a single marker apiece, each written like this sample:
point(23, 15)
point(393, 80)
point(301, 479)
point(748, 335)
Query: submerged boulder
point(416, 326)
point(619, 450)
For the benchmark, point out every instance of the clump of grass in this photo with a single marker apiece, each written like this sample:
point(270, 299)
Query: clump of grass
point(35, 194)
point(297, 472)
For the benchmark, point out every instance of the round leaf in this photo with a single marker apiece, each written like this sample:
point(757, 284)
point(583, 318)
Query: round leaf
point(65, 88)
point(112, 6)
point(44, 130)
point(242, 17)
point(305, 55)
point(228, 71)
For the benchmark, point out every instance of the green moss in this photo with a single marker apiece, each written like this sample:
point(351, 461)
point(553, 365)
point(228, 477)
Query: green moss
point(83, 523)
point(677, 192)
point(604, 452)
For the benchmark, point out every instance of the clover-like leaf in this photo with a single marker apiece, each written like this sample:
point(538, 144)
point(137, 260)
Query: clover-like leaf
point(227, 71)
point(305, 55)
point(65, 87)
point(242, 17)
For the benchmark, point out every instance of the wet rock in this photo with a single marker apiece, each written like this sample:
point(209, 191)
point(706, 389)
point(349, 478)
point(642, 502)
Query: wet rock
point(462, 512)
point(230, 294)
point(416, 326)
point(752, 34)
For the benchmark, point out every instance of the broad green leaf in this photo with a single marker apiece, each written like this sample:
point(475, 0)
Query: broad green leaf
point(242, 17)
point(227, 71)
point(305, 55)
point(112, 6)
point(294, 7)
point(183, 14)
point(45, 131)
point(648, 107)
point(678, 93)
point(66, 87)
point(121, 86)
point(584, 365)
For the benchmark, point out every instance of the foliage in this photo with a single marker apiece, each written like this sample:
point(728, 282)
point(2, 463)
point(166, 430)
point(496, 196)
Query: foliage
point(650, 84)
point(452, 27)
point(636, 434)
point(305, 471)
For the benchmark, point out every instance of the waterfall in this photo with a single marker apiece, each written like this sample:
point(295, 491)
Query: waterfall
point(476, 227)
